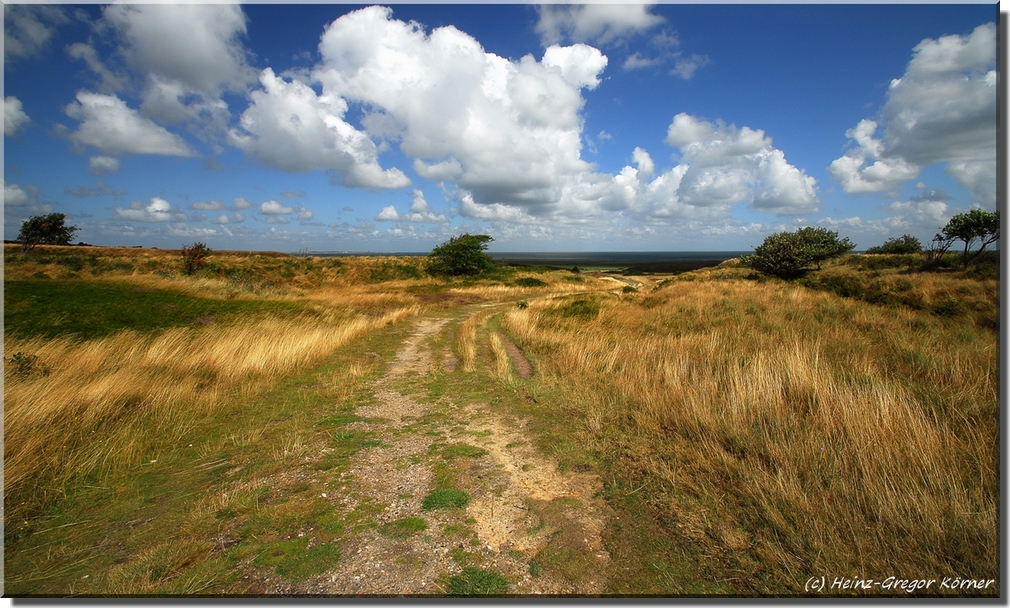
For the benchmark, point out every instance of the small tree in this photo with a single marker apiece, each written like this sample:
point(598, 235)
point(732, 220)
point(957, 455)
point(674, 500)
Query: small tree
point(194, 257)
point(976, 225)
point(823, 244)
point(906, 244)
point(461, 255)
point(787, 254)
point(45, 230)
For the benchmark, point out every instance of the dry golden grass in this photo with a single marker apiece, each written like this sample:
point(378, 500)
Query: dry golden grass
point(502, 365)
point(466, 341)
point(808, 432)
point(127, 389)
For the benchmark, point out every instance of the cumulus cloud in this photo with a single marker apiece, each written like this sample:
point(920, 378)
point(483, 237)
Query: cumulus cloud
point(100, 165)
point(241, 203)
point(941, 110)
point(274, 208)
point(289, 127)
point(720, 166)
point(198, 46)
point(14, 116)
point(507, 131)
point(16, 196)
point(158, 210)
point(188, 54)
point(420, 212)
point(234, 218)
point(28, 28)
point(598, 23)
point(726, 165)
point(108, 125)
point(208, 205)
point(580, 64)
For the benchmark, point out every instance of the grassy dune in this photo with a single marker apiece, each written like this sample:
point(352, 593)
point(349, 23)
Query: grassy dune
point(750, 433)
point(791, 432)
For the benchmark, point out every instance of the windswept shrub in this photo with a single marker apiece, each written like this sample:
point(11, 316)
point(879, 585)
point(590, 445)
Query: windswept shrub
point(905, 244)
point(788, 254)
point(45, 230)
point(529, 282)
point(461, 255)
point(194, 257)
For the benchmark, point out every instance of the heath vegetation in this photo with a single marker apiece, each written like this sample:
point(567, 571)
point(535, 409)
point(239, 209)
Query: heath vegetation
point(749, 432)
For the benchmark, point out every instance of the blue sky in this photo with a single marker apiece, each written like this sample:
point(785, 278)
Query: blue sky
point(552, 128)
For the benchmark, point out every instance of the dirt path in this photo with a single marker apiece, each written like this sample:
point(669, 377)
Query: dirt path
point(525, 520)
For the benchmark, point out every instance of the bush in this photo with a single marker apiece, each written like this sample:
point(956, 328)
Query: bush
point(787, 254)
point(194, 257)
point(529, 282)
point(45, 230)
point(461, 255)
point(905, 244)
point(976, 225)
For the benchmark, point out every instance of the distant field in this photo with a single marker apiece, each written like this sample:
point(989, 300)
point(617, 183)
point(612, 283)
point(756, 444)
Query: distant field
point(181, 435)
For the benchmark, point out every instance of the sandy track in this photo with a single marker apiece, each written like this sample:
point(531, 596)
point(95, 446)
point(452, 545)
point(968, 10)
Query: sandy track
point(518, 497)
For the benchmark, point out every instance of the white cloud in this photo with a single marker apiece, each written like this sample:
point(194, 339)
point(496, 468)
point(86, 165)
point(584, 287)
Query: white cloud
point(599, 23)
point(241, 203)
point(580, 64)
point(507, 131)
point(188, 54)
point(158, 210)
point(15, 196)
point(195, 45)
point(942, 110)
point(234, 218)
point(882, 176)
point(100, 165)
point(110, 81)
point(208, 205)
point(108, 125)
point(420, 212)
point(28, 28)
point(685, 67)
point(14, 116)
point(726, 165)
point(274, 208)
point(291, 128)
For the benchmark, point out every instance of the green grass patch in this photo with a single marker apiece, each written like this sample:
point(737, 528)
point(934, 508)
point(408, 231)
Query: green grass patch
point(529, 282)
point(445, 499)
point(403, 528)
point(296, 561)
point(581, 308)
point(462, 450)
point(476, 581)
point(89, 309)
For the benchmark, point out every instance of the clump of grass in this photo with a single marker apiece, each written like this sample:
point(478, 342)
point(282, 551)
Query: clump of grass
point(462, 450)
point(296, 561)
point(477, 581)
point(404, 528)
point(502, 363)
point(529, 282)
point(466, 341)
point(445, 499)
